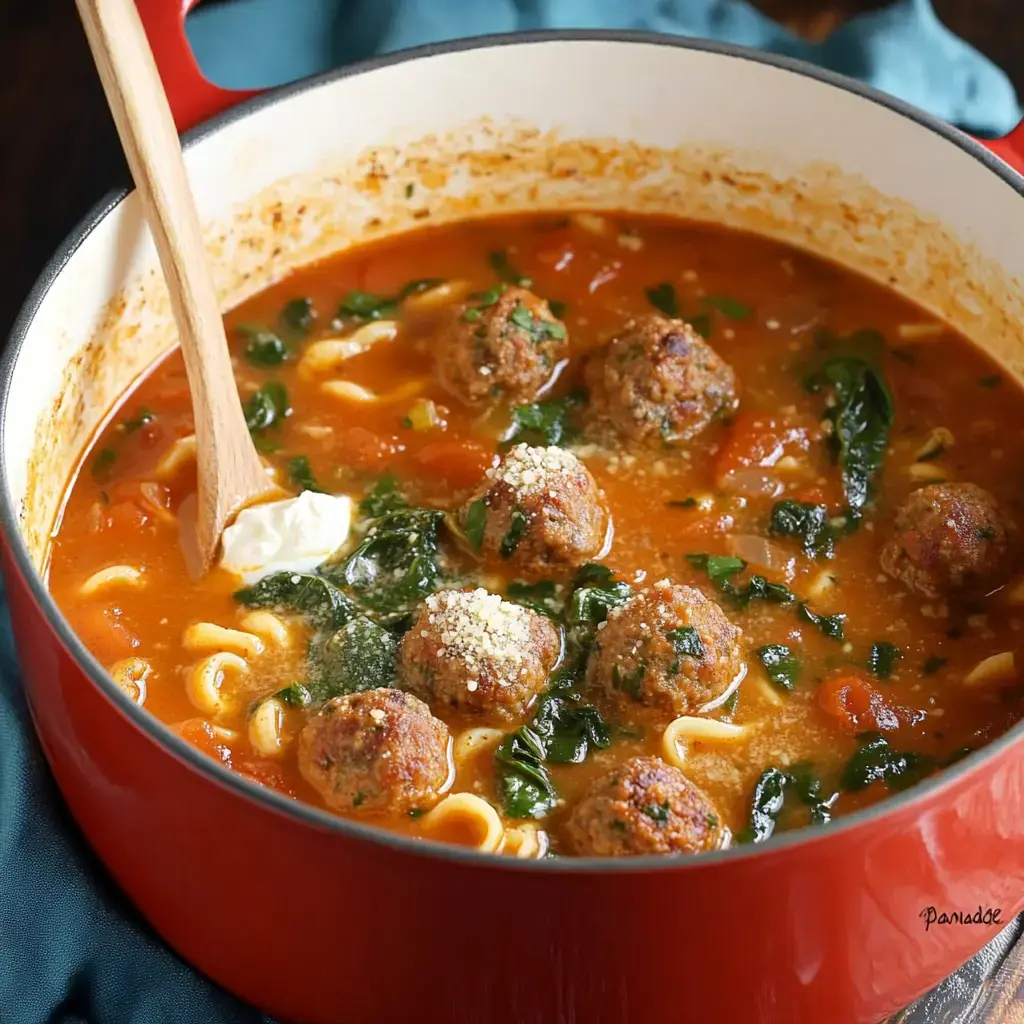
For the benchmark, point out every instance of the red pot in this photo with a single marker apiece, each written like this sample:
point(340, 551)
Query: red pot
point(317, 919)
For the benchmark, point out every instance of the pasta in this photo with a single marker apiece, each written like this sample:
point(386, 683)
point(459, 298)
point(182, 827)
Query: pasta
point(323, 356)
point(525, 842)
point(207, 636)
point(266, 724)
point(349, 392)
point(207, 677)
point(131, 674)
point(180, 454)
point(112, 576)
point(269, 626)
point(690, 727)
point(463, 813)
point(433, 298)
point(474, 741)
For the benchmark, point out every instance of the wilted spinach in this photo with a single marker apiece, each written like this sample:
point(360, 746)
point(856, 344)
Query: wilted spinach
point(298, 315)
point(810, 524)
point(547, 423)
point(384, 498)
point(832, 626)
point(541, 597)
point(359, 656)
point(722, 568)
point(781, 665)
point(267, 407)
point(300, 474)
point(882, 659)
point(263, 347)
point(876, 761)
point(315, 597)
point(524, 783)
point(770, 796)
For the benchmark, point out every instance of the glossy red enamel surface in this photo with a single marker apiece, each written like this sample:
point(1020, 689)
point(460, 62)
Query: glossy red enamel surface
point(341, 928)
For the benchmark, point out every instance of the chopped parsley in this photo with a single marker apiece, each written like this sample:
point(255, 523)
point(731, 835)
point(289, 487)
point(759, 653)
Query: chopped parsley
point(298, 315)
point(658, 812)
point(547, 423)
point(539, 329)
point(359, 305)
point(517, 528)
point(424, 284)
point(476, 522)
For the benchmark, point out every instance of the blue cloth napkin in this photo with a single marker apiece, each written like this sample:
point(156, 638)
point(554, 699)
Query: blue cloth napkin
point(72, 951)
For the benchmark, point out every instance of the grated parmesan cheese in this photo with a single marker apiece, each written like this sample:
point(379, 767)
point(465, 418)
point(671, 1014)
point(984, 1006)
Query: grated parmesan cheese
point(532, 471)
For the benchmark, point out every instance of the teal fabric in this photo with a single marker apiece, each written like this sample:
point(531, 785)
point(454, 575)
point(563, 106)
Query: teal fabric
point(72, 951)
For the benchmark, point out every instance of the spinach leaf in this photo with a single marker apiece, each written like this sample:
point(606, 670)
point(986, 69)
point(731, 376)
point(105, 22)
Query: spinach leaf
point(770, 796)
point(547, 423)
point(358, 305)
point(102, 463)
point(806, 521)
point(295, 694)
point(732, 308)
point(359, 656)
point(760, 589)
point(781, 665)
point(663, 298)
point(298, 315)
point(830, 625)
point(722, 568)
point(568, 729)
point(301, 475)
point(476, 523)
point(590, 605)
point(701, 323)
point(876, 761)
point(397, 564)
point(557, 308)
point(682, 503)
point(516, 530)
point(807, 787)
point(536, 327)
point(686, 641)
point(524, 783)
point(139, 420)
point(932, 664)
point(539, 597)
point(502, 266)
point(383, 499)
point(861, 413)
point(658, 813)
point(631, 682)
point(263, 348)
point(882, 659)
point(267, 407)
point(317, 598)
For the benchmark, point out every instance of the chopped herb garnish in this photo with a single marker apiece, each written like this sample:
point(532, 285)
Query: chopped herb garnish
point(317, 598)
point(732, 308)
point(139, 420)
point(476, 522)
point(359, 656)
point(830, 625)
point(630, 682)
point(663, 298)
point(932, 664)
point(267, 407)
point(882, 659)
point(701, 323)
point(301, 475)
point(295, 694)
point(876, 761)
point(810, 524)
point(263, 348)
point(536, 327)
point(502, 266)
point(298, 315)
point(781, 665)
point(720, 568)
point(686, 641)
point(384, 498)
point(105, 458)
point(409, 189)
point(517, 527)
point(658, 812)
point(682, 503)
point(358, 799)
point(985, 533)
point(547, 423)
point(359, 305)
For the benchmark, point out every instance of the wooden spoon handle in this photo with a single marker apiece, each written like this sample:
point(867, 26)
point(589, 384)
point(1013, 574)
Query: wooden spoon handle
point(230, 472)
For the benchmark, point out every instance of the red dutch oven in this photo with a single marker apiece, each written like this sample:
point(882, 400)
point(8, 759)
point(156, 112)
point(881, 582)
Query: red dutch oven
point(316, 919)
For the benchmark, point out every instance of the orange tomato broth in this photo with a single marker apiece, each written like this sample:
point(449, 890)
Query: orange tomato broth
point(602, 277)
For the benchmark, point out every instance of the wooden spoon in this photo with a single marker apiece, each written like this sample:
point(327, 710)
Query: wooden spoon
point(229, 469)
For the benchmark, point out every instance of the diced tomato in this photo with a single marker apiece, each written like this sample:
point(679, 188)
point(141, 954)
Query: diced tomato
point(555, 251)
point(461, 463)
point(104, 631)
point(849, 696)
point(758, 441)
point(363, 448)
point(265, 773)
point(200, 733)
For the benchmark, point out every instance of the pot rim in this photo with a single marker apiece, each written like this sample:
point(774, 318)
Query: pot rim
point(306, 814)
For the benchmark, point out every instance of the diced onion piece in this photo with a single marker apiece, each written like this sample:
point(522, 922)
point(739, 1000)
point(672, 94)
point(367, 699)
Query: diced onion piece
point(266, 726)
point(759, 552)
point(920, 332)
point(926, 472)
point(462, 811)
point(999, 668)
point(704, 730)
point(112, 576)
point(937, 442)
point(627, 240)
point(822, 583)
point(791, 466)
point(753, 481)
point(180, 454)
point(423, 415)
point(323, 356)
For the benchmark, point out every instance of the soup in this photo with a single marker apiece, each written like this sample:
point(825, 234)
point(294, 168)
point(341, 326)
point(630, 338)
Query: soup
point(595, 536)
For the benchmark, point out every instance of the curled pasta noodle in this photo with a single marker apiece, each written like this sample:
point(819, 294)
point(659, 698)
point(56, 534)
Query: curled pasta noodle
point(473, 741)
point(323, 356)
point(690, 727)
point(208, 636)
point(767, 692)
point(112, 576)
point(180, 454)
point(467, 811)
point(440, 295)
point(131, 674)
point(206, 680)
point(349, 392)
point(266, 727)
point(525, 842)
point(269, 626)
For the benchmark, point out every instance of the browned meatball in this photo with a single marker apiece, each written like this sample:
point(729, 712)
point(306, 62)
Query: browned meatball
point(474, 652)
point(643, 806)
point(669, 648)
point(374, 752)
point(504, 343)
point(950, 539)
point(539, 510)
point(659, 382)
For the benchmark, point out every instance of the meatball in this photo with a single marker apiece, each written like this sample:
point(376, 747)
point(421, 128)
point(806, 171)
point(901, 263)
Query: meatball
point(376, 751)
point(643, 806)
point(539, 510)
point(668, 648)
point(504, 343)
point(659, 382)
point(472, 651)
point(949, 539)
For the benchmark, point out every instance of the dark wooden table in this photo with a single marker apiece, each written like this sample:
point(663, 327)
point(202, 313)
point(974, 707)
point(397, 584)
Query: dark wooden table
point(61, 154)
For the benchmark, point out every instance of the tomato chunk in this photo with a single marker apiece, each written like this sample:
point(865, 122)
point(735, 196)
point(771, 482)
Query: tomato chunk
point(461, 463)
point(849, 696)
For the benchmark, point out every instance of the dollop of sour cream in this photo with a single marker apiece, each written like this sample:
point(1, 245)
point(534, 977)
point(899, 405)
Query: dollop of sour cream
point(294, 535)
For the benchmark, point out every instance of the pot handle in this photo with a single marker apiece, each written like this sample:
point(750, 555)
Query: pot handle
point(192, 96)
point(1009, 148)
